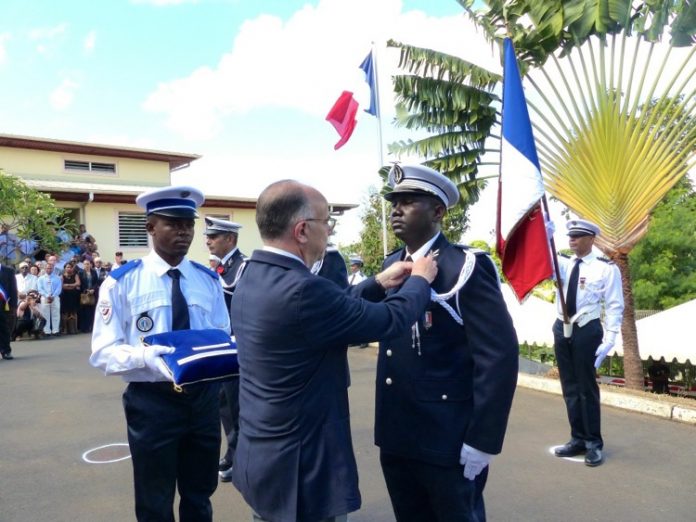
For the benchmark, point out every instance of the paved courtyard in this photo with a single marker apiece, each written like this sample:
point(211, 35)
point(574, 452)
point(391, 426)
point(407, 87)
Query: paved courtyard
point(55, 409)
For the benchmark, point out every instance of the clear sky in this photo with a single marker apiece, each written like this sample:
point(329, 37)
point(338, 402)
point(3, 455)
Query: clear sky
point(245, 83)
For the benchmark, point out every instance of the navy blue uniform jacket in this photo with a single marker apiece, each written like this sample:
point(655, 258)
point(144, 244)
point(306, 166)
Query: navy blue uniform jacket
point(294, 459)
point(460, 388)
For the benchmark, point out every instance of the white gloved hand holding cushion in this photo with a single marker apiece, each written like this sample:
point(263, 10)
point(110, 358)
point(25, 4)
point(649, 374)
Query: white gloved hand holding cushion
point(152, 357)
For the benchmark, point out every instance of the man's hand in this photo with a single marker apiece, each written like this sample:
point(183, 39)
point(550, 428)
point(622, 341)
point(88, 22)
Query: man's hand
point(604, 348)
point(473, 461)
point(425, 267)
point(394, 275)
point(153, 360)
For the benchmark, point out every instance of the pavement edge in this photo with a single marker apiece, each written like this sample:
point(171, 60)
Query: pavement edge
point(657, 408)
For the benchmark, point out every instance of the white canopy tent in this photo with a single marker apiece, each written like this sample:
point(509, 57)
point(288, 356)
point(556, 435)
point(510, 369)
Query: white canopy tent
point(666, 334)
point(533, 319)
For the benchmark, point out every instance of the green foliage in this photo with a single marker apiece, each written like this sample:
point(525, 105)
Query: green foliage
point(663, 264)
point(29, 213)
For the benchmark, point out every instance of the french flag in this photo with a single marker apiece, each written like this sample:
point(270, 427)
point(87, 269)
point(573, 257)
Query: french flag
point(522, 242)
point(342, 114)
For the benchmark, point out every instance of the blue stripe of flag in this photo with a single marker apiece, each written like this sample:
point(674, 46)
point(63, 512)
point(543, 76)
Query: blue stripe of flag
point(368, 68)
point(517, 128)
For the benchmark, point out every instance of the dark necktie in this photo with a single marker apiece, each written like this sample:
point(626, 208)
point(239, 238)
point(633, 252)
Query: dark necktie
point(571, 295)
point(180, 314)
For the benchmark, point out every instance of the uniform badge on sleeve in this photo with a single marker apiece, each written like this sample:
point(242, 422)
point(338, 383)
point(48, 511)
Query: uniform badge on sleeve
point(105, 311)
point(144, 323)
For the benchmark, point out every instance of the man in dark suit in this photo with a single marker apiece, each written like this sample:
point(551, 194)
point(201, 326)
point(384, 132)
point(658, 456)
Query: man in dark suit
point(445, 387)
point(294, 460)
point(8, 309)
point(221, 240)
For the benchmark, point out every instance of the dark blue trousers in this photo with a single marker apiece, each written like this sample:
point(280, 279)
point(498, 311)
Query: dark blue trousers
point(422, 492)
point(575, 358)
point(229, 415)
point(174, 441)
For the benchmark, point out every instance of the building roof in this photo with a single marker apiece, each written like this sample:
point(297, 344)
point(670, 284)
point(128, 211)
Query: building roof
point(176, 160)
point(118, 193)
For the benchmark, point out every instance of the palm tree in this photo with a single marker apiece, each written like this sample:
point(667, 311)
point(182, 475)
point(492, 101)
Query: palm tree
point(609, 111)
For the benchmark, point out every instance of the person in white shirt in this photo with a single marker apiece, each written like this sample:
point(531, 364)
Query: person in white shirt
point(174, 436)
point(590, 284)
point(356, 275)
point(26, 281)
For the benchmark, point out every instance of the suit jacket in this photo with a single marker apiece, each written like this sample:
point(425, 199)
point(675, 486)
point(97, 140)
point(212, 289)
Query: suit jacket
point(294, 459)
point(459, 388)
point(9, 283)
point(229, 272)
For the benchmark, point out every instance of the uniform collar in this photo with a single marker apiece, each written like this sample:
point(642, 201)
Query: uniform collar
point(228, 256)
point(161, 267)
point(422, 251)
point(589, 258)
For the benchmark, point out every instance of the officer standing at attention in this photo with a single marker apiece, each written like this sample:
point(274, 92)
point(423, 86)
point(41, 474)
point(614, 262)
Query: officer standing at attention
point(445, 387)
point(356, 275)
point(174, 437)
point(590, 283)
point(332, 266)
point(221, 240)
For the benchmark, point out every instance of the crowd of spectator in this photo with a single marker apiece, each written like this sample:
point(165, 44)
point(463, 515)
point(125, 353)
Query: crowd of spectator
point(57, 292)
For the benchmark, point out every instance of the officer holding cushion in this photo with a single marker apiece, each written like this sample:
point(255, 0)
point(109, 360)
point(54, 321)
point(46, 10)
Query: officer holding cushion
point(174, 437)
point(591, 285)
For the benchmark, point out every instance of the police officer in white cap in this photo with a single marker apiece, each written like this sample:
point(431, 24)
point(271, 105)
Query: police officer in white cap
point(590, 283)
point(221, 240)
point(444, 388)
point(356, 275)
point(174, 437)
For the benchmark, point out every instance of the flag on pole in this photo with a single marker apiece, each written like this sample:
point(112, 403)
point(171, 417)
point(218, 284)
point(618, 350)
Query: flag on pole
point(342, 117)
point(368, 67)
point(522, 243)
point(342, 114)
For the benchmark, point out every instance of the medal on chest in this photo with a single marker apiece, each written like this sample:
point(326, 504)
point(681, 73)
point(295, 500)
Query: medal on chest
point(428, 320)
point(582, 283)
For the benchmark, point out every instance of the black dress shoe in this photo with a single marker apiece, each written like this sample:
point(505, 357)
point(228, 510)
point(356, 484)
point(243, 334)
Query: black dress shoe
point(569, 450)
point(593, 457)
point(226, 476)
point(224, 464)
point(7, 356)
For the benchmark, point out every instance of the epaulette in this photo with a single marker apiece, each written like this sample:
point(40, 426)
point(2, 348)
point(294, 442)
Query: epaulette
point(473, 250)
point(124, 269)
point(564, 255)
point(205, 269)
point(605, 260)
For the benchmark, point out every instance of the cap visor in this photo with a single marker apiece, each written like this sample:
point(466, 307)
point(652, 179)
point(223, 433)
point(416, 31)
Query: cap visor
point(176, 213)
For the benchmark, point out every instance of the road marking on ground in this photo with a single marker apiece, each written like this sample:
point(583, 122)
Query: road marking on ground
point(107, 454)
point(552, 450)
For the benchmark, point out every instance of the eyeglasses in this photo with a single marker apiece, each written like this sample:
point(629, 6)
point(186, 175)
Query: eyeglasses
point(329, 222)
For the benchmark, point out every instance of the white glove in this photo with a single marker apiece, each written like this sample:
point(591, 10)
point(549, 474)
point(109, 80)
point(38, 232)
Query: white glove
point(153, 360)
point(550, 228)
point(604, 348)
point(473, 461)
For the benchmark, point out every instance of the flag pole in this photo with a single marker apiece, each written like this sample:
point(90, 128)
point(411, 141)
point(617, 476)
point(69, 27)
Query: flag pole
point(381, 146)
point(554, 259)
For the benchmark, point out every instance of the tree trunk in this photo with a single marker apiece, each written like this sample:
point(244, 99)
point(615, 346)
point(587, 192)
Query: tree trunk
point(633, 366)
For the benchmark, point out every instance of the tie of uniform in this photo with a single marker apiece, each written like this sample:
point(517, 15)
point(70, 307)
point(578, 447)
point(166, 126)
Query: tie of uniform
point(572, 293)
point(180, 314)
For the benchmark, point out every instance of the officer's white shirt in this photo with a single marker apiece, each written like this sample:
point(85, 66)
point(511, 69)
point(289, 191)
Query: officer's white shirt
point(599, 283)
point(356, 278)
point(146, 289)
